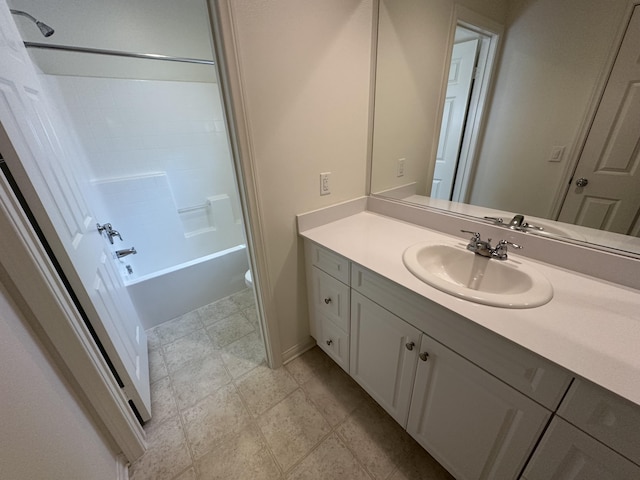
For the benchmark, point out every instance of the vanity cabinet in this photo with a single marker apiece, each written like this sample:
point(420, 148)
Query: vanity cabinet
point(329, 300)
point(567, 453)
point(474, 401)
point(384, 351)
point(475, 425)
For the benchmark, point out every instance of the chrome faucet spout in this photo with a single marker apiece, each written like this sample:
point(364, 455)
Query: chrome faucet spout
point(125, 252)
point(516, 222)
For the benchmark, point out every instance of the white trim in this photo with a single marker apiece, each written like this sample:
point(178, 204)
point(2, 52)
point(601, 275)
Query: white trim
point(37, 281)
point(232, 89)
point(297, 350)
point(478, 105)
point(122, 468)
point(573, 156)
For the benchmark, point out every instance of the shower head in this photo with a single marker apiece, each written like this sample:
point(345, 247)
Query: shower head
point(46, 30)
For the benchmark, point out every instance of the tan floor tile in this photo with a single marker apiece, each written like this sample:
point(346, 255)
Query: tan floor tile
point(178, 327)
point(244, 355)
point(252, 315)
point(243, 456)
point(377, 441)
point(167, 453)
point(330, 461)
point(189, 474)
point(335, 394)
point(263, 387)
point(163, 405)
point(292, 428)
point(157, 367)
point(229, 329)
point(216, 311)
point(214, 418)
point(244, 299)
point(153, 340)
point(419, 465)
point(193, 346)
point(305, 366)
point(198, 379)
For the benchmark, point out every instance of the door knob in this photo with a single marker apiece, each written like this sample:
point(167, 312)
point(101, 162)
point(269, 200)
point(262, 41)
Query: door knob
point(424, 356)
point(410, 345)
point(582, 182)
point(327, 301)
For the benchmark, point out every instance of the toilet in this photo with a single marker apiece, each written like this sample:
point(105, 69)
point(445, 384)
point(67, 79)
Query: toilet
point(248, 280)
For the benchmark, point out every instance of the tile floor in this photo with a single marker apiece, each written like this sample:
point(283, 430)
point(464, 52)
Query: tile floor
point(221, 413)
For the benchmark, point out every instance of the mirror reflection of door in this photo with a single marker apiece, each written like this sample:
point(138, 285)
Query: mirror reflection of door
point(610, 199)
point(463, 63)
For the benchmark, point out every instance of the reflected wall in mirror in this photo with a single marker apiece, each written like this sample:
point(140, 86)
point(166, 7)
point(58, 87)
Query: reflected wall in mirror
point(551, 69)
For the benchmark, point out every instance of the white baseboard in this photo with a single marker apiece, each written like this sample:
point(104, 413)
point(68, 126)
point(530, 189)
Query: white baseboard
point(297, 350)
point(122, 467)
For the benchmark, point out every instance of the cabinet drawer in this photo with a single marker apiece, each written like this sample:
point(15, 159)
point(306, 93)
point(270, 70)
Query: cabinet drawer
point(605, 416)
point(567, 453)
point(334, 341)
point(330, 297)
point(536, 377)
point(328, 261)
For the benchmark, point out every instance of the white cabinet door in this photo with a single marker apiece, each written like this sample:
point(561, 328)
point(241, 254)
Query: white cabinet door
point(566, 453)
point(476, 426)
point(384, 351)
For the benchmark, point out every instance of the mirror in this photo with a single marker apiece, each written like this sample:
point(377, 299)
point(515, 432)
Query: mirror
point(543, 67)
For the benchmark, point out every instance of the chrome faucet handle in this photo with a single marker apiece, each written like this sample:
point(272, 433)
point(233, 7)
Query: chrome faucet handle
point(496, 220)
point(102, 228)
point(533, 227)
point(500, 252)
point(476, 235)
point(114, 233)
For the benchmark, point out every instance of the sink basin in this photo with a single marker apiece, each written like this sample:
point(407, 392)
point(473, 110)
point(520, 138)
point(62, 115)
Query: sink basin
point(459, 272)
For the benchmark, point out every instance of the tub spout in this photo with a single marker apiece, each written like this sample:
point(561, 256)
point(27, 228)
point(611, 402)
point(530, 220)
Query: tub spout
point(125, 252)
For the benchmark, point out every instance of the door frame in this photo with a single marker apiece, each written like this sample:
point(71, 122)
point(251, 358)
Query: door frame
point(587, 121)
point(480, 94)
point(53, 312)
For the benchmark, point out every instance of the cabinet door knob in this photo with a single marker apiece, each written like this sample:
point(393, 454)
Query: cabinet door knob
point(329, 342)
point(424, 356)
point(410, 345)
point(327, 301)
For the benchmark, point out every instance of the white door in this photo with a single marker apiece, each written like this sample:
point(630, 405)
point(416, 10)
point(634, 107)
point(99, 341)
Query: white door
point(473, 424)
point(384, 352)
point(463, 59)
point(609, 164)
point(35, 156)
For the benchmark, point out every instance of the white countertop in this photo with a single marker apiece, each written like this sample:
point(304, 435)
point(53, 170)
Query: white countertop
point(590, 327)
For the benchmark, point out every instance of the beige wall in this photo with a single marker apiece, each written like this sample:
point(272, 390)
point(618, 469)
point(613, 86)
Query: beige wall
point(412, 54)
point(552, 56)
point(305, 67)
point(45, 433)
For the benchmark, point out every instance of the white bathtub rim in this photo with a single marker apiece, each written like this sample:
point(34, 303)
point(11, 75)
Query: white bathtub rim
point(180, 266)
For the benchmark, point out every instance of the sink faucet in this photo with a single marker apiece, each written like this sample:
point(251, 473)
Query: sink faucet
point(484, 249)
point(516, 223)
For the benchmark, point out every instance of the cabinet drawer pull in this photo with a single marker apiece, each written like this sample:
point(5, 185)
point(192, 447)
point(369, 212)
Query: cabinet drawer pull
point(329, 342)
point(424, 356)
point(410, 345)
point(327, 301)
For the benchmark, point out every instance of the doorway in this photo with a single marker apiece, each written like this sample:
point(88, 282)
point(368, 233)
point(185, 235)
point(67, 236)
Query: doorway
point(150, 146)
point(473, 54)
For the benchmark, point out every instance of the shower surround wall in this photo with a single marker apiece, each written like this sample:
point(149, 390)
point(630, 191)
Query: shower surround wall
point(154, 148)
point(158, 155)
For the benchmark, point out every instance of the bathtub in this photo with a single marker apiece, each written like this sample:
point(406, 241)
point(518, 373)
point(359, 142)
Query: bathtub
point(174, 291)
